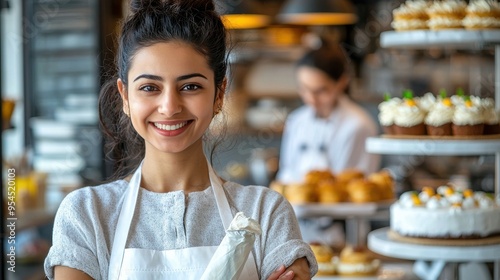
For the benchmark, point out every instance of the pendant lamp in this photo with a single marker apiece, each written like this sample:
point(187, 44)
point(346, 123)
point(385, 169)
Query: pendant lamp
point(241, 14)
point(317, 12)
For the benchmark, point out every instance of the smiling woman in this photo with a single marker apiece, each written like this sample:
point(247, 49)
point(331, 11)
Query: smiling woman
point(167, 102)
point(166, 213)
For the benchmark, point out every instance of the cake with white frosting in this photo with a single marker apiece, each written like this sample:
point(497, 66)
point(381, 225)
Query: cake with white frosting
point(445, 213)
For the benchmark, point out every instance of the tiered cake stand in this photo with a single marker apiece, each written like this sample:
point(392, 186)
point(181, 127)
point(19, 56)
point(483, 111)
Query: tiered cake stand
point(378, 240)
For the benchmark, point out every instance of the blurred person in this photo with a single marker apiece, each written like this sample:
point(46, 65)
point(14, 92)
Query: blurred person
point(327, 133)
point(330, 129)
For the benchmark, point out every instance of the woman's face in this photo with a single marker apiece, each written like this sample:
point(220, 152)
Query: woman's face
point(318, 90)
point(170, 96)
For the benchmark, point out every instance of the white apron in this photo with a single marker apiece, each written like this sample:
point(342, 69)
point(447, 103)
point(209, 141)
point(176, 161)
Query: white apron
point(313, 152)
point(188, 263)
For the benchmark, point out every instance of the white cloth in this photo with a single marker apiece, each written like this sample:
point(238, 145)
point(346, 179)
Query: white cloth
point(337, 142)
point(187, 263)
point(86, 220)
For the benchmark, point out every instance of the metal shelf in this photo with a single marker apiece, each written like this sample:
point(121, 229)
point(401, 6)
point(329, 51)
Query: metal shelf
point(432, 146)
point(453, 39)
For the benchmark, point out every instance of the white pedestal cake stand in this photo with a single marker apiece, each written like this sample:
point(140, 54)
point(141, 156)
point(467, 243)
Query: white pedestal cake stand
point(438, 256)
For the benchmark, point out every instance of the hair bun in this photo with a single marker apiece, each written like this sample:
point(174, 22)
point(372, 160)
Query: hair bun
point(175, 6)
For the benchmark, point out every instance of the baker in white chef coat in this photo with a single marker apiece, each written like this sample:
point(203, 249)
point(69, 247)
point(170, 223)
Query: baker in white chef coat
point(167, 212)
point(330, 129)
point(327, 132)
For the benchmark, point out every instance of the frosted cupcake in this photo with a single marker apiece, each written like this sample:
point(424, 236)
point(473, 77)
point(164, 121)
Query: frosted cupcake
point(491, 117)
point(387, 113)
point(438, 120)
point(446, 14)
point(409, 117)
point(468, 119)
point(482, 14)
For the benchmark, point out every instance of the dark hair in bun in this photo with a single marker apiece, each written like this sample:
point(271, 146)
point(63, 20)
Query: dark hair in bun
point(175, 6)
point(329, 58)
point(194, 22)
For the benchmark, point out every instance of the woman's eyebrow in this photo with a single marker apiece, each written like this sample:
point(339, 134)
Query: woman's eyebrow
point(159, 78)
point(189, 76)
point(149, 76)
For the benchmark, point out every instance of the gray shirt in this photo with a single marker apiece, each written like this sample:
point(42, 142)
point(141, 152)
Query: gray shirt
point(86, 220)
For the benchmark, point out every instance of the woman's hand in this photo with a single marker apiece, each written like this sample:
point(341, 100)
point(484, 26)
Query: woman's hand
point(299, 270)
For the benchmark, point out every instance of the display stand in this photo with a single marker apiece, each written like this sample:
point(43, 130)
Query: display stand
point(379, 242)
point(449, 39)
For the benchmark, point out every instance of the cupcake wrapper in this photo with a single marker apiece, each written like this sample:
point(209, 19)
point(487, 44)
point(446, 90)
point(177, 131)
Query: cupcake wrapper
point(388, 129)
point(418, 129)
point(464, 130)
point(442, 130)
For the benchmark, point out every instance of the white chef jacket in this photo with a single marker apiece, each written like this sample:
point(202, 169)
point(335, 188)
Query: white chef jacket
point(336, 143)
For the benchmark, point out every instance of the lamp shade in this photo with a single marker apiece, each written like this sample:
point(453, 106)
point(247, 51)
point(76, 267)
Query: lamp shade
point(241, 14)
point(317, 12)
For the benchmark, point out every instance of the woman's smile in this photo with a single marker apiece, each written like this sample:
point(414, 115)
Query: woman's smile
point(171, 129)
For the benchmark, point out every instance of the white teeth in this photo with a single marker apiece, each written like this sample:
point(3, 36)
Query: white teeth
point(170, 127)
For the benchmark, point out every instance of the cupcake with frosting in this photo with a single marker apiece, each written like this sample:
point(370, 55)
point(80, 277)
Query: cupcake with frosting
point(411, 15)
point(468, 119)
point(447, 14)
point(387, 113)
point(438, 120)
point(491, 117)
point(409, 117)
point(482, 14)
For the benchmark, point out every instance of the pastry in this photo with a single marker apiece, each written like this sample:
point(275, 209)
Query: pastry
point(387, 113)
point(446, 14)
point(438, 120)
point(468, 119)
point(482, 14)
point(385, 184)
point(362, 191)
point(300, 193)
point(356, 261)
point(349, 174)
point(409, 117)
point(411, 15)
point(331, 191)
point(324, 256)
point(314, 177)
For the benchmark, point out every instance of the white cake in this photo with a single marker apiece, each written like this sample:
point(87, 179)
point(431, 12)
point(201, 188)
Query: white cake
point(448, 214)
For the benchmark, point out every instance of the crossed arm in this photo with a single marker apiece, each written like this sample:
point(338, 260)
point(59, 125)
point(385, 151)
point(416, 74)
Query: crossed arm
point(299, 270)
